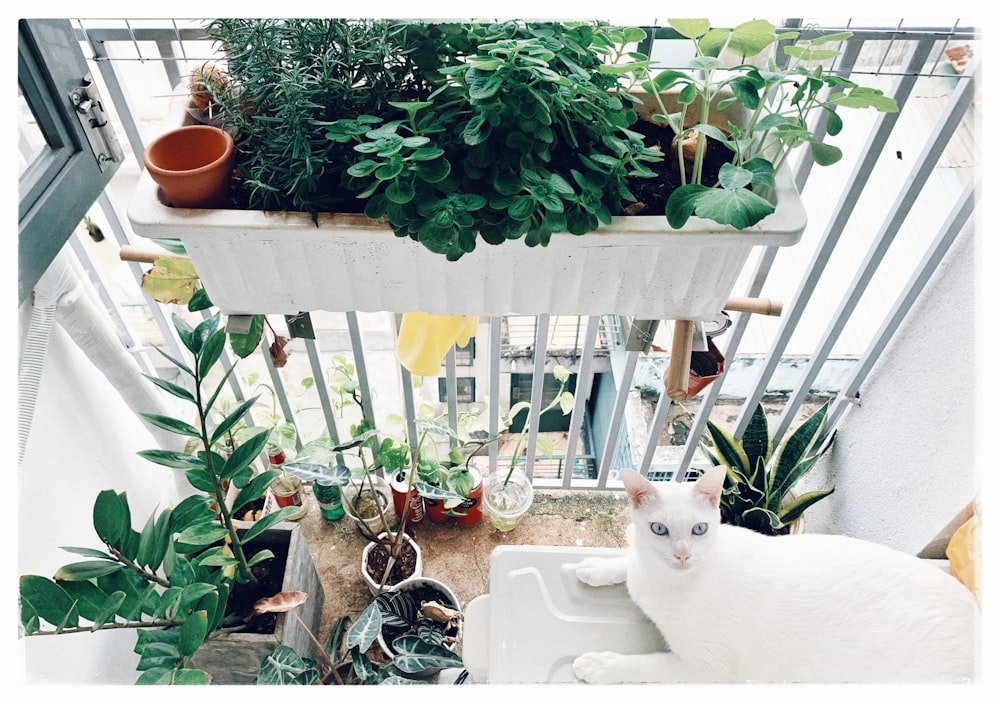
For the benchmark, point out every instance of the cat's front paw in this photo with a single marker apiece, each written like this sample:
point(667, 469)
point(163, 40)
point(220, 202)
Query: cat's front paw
point(600, 571)
point(599, 667)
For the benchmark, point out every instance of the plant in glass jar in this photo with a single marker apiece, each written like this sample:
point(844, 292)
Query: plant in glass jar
point(507, 495)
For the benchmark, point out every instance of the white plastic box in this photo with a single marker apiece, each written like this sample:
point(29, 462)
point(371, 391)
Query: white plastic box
point(538, 617)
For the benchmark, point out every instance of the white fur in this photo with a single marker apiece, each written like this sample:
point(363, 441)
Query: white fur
point(738, 606)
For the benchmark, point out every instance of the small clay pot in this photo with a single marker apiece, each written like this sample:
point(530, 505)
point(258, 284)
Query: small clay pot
point(193, 166)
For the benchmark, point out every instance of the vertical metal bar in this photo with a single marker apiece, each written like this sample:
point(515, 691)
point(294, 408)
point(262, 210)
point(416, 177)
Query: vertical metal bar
point(584, 382)
point(125, 332)
point(655, 430)
point(451, 385)
point(617, 419)
point(323, 390)
point(537, 387)
point(494, 385)
point(168, 58)
point(409, 406)
point(954, 224)
point(735, 335)
point(909, 192)
point(843, 211)
point(279, 391)
point(364, 384)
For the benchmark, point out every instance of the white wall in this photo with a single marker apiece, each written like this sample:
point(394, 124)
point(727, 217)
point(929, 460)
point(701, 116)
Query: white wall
point(904, 459)
point(83, 439)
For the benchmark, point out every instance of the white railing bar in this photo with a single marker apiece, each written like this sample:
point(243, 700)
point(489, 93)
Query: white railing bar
point(942, 133)
point(279, 389)
point(451, 389)
point(494, 396)
point(584, 382)
point(124, 330)
point(323, 390)
point(364, 384)
point(843, 211)
point(734, 336)
point(954, 224)
point(617, 418)
point(537, 387)
point(663, 404)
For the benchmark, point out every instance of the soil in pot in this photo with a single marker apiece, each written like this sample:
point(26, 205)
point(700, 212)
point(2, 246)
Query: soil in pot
point(403, 568)
point(651, 193)
point(270, 576)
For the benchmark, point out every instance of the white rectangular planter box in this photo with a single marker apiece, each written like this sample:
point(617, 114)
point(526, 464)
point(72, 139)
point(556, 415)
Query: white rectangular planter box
point(279, 262)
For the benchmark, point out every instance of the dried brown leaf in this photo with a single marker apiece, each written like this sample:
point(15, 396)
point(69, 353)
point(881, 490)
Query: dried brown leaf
point(278, 354)
point(280, 602)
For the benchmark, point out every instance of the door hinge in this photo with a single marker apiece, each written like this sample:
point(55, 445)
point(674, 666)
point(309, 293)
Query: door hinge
point(87, 105)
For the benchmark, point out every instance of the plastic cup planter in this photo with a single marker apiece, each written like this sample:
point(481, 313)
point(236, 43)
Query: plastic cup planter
point(506, 505)
point(371, 520)
point(193, 166)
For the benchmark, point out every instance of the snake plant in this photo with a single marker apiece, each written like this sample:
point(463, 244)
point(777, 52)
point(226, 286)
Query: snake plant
point(758, 491)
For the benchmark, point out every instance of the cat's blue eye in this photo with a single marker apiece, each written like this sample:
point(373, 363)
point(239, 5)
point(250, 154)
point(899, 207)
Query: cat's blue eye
point(658, 528)
point(699, 528)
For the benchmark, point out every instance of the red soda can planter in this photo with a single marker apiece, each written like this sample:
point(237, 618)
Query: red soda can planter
point(398, 486)
point(467, 513)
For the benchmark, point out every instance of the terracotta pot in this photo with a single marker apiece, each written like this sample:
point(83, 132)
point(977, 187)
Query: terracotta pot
point(714, 358)
point(192, 165)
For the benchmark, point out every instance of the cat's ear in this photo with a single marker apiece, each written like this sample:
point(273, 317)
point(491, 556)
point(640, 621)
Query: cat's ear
point(637, 487)
point(710, 484)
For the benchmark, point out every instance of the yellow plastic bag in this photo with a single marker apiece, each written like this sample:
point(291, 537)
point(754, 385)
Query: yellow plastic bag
point(425, 339)
point(963, 554)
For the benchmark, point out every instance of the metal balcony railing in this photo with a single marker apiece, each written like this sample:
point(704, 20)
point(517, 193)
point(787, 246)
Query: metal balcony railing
point(620, 418)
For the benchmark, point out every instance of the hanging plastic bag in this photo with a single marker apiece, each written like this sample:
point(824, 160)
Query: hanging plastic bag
point(425, 339)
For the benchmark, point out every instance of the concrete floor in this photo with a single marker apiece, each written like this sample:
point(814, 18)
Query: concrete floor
point(459, 556)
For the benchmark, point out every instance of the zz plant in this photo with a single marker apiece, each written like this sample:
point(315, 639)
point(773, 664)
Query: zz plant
point(172, 579)
point(757, 492)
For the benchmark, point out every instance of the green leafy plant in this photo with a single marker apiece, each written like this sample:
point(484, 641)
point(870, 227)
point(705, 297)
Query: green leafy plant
point(286, 79)
point(176, 575)
point(524, 134)
point(759, 489)
point(424, 630)
point(779, 100)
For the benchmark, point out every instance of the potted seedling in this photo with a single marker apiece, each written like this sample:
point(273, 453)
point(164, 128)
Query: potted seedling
point(749, 96)
point(507, 495)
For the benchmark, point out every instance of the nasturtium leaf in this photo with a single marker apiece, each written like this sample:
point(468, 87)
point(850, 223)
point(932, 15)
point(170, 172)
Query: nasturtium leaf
point(172, 280)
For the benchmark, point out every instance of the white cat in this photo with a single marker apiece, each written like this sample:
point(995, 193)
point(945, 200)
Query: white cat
point(737, 606)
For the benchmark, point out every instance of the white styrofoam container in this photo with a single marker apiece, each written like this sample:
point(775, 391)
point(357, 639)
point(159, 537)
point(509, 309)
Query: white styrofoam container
point(284, 263)
point(538, 617)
